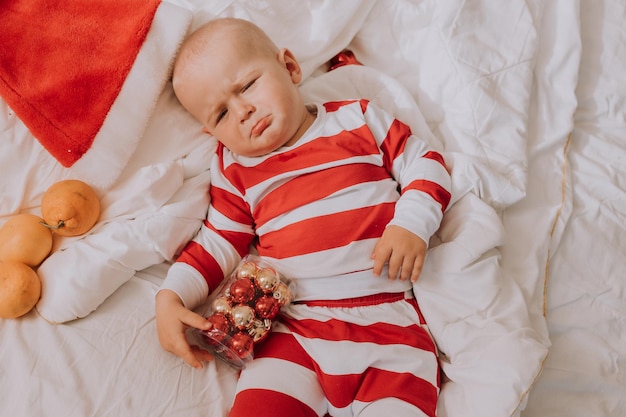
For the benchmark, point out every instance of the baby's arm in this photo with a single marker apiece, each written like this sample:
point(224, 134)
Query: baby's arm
point(425, 187)
point(404, 250)
point(172, 319)
point(197, 271)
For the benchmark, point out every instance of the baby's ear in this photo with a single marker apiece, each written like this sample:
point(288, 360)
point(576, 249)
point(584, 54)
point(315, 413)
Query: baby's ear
point(287, 58)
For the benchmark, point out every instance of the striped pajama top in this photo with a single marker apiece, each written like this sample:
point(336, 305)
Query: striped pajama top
point(316, 209)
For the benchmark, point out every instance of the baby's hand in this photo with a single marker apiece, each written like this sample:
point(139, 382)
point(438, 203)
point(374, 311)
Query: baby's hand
point(172, 319)
point(403, 250)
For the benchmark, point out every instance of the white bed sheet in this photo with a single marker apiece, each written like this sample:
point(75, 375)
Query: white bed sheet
point(585, 373)
point(107, 364)
point(499, 87)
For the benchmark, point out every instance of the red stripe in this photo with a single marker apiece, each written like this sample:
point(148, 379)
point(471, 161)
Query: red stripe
point(376, 383)
point(305, 189)
point(239, 240)
point(284, 346)
point(326, 232)
point(230, 205)
point(413, 302)
point(266, 403)
point(364, 103)
point(368, 300)
point(434, 190)
point(435, 156)
point(378, 333)
point(333, 106)
point(394, 142)
point(195, 256)
point(323, 150)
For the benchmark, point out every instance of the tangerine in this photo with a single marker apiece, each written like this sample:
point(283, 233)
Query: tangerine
point(23, 238)
point(70, 207)
point(20, 289)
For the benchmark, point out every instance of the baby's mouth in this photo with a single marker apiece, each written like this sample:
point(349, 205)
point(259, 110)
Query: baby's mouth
point(260, 126)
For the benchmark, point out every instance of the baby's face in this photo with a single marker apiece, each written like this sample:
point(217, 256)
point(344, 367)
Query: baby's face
point(249, 102)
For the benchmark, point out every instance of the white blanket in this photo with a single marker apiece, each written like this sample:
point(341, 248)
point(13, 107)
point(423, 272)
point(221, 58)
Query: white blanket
point(580, 120)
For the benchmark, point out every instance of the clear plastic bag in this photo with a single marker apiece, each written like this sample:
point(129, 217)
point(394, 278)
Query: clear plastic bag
point(242, 311)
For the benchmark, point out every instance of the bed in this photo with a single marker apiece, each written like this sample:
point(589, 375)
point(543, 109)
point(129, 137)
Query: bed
point(523, 286)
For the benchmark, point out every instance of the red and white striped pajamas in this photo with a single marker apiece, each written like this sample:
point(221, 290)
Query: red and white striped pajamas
point(362, 357)
point(316, 210)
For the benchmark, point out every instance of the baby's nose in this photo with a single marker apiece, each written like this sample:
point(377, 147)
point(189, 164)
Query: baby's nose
point(244, 109)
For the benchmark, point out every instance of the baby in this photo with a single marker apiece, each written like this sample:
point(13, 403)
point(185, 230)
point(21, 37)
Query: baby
point(337, 196)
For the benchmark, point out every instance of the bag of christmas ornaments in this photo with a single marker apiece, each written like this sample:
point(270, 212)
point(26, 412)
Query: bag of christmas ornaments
point(242, 311)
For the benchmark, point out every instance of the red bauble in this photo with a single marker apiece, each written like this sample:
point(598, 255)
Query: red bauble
point(267, 307)
point(241, 344)
point(221, 327)
point(242, 290)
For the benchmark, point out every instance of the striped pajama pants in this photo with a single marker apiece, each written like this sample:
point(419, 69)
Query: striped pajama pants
point(369, 356)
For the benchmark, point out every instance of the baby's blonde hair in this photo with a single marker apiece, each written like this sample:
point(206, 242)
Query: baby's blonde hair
point(244, 35)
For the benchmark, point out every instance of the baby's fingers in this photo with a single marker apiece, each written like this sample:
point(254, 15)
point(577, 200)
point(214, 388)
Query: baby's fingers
point(380, 257)
point(192, 319)
point(184, 351)
point(417, 269)
point(396, 265)
point(405, 267)
point(192, 355)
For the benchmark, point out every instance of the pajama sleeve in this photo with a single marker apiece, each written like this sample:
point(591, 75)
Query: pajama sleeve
point(420, 171)
point(219, 245)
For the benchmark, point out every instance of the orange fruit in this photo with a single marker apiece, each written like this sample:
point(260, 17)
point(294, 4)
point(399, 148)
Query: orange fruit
point(70, 207)
point(23, 238)
point(20, 289)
